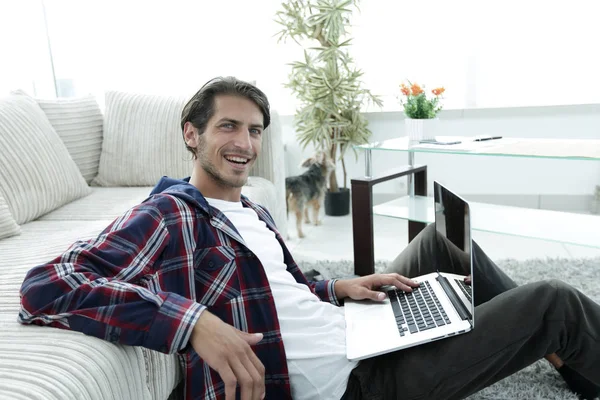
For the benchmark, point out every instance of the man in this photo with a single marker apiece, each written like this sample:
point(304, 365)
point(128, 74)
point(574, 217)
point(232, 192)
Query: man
point(200, 270)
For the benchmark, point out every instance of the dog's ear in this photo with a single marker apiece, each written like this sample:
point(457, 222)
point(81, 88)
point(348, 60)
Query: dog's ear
point(308, 162)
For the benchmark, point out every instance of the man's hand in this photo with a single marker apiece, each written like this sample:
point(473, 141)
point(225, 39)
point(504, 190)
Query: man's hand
point(362, 288)
point(468, 279)
point(227, 351)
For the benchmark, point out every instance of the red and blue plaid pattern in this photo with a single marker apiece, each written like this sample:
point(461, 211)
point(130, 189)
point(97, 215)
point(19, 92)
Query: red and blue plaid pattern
point(145, 280)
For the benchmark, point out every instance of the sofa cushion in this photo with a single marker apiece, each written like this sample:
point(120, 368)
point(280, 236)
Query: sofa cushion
point(271, 166)
point(78, 122)
point(263, 192)
point(142, 140)
point(108, 203)
point(37, 174)
point(105, 203)
point(8, 226)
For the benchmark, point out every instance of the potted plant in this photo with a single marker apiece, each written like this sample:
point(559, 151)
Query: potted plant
point(420, 111)
point(327, 84)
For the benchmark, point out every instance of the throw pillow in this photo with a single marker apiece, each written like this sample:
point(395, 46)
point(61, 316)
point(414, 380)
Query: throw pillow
point(78, 122)
point(37, 174)
point(8, 226)
point(142, 140)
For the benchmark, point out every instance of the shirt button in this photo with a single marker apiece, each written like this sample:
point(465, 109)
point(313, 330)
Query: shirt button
point(211, 264)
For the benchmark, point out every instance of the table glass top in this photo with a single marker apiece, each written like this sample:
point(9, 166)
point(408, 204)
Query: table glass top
point(572, 149)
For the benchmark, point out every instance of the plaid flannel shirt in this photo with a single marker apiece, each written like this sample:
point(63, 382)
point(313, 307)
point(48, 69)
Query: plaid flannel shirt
point(145, 280)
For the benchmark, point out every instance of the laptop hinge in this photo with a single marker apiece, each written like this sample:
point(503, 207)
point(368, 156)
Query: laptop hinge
point(460, 307)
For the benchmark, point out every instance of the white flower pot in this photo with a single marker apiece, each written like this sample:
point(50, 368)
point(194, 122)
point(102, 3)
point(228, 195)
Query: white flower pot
point(421, 129)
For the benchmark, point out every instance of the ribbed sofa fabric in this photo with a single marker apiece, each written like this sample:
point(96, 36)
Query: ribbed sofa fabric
point(142, 140)
point(37, 173)
point(78, 122)
point(8, 225)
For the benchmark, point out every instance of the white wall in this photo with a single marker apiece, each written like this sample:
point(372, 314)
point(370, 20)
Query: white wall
point(479, 175)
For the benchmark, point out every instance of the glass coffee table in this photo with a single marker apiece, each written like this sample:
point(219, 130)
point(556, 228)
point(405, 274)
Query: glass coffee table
point(417, 208)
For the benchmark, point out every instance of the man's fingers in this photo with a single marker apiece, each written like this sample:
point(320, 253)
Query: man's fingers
point(229, 380)
point(260, 368)
point(257, 367)
point(249, 371)
point(244, 378)
point(400, 282)
point(257, 375)
point(364, 293)
point(402, 279)
point(228, 351)
point(408, 281)
point(250, 338)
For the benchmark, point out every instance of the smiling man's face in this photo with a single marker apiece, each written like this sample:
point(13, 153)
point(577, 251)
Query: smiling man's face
point(228, 147)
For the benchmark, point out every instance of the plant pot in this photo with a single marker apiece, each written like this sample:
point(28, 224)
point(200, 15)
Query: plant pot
point(337, 203)
point(421, 129)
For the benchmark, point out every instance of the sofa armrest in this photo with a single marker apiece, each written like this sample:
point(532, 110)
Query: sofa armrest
point(270, 165)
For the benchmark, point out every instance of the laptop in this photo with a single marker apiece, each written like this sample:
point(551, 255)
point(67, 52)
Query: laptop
point(441, 307)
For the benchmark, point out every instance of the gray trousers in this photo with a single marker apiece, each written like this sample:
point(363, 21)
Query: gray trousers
point(515, 326)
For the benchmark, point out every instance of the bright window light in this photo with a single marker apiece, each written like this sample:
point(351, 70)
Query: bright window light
point(485, 53)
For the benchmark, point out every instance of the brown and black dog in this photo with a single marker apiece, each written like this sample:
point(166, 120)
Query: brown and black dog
point(308, 189)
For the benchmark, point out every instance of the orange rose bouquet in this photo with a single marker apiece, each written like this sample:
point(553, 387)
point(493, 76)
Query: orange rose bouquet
point(417, 105)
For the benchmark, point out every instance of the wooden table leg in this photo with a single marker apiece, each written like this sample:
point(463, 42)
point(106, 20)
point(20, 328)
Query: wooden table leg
point(420, 190)
point(362, 214)
point(362, 228)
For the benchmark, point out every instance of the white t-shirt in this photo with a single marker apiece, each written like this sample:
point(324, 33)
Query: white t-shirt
point(313, 331)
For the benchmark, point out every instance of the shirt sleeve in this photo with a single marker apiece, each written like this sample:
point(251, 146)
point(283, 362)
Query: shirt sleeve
point(325, 290)
point(94, 287)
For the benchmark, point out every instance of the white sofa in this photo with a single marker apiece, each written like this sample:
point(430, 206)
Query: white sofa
point(54, 154)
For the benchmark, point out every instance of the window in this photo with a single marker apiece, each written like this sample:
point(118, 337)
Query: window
point(531, 53)
point(24, 49)
point(416, 40)
point(487, 54)
point(159, 47)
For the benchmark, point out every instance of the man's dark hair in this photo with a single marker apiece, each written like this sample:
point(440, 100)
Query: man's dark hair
point(201, 106)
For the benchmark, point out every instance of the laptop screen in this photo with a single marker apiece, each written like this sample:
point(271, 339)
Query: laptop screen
point(453, 225)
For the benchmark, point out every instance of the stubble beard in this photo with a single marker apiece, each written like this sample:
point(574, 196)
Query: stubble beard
point(214, 172)
point(216, 175)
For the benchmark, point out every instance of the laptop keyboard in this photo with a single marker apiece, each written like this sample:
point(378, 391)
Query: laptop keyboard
point(466, 289)
point(417, 311)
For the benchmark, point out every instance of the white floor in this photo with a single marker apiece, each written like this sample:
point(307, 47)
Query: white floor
point(332, 240)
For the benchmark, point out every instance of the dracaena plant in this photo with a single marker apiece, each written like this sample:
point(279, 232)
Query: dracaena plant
point(326, 82)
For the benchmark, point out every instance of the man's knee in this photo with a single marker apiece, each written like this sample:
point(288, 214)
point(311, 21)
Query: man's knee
point(428, 234)
point(406, 263)
point(556, 285)
point(562, 288)
point(553, 288)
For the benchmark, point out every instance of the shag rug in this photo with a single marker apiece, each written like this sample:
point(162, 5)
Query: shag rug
point(540, 380)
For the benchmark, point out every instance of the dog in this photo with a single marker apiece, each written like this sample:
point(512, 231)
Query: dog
point(308, 189)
